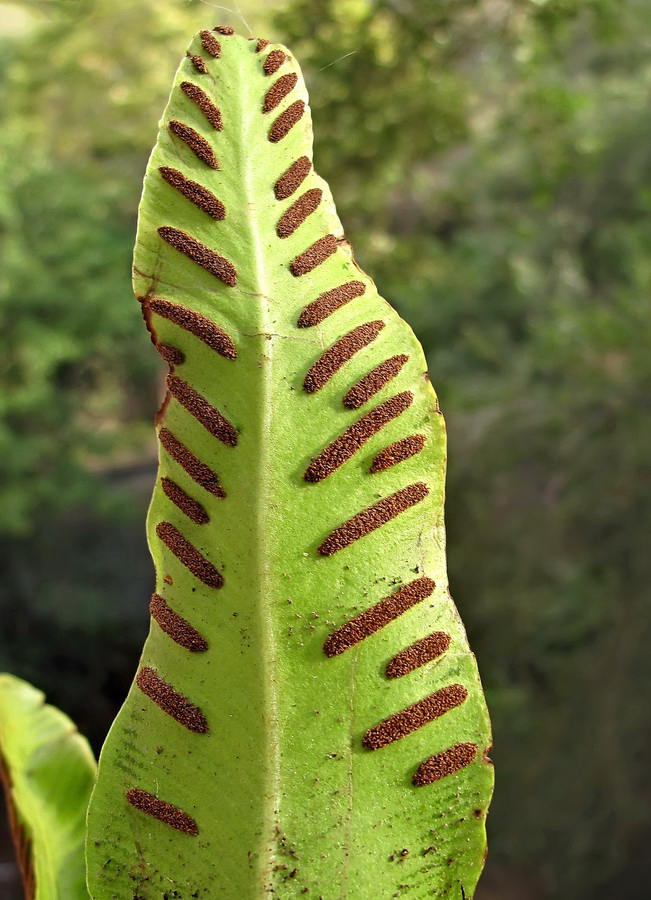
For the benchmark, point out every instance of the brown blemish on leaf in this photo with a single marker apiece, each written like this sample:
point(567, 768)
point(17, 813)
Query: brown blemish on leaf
point(293, 178)
point(175, 626)
point(298, 212)
point(205, 104)
point(172, 355)
point(373, 518)
point(370, 384)
point(200, 326)
point(286, 121)
point(210, 44)
point(447, 763)
point(170, 701)
point(164, 812)
point(418, 654)
point(195, 468)
point(328, 303)
point(189, 507)
point(274, 61)
point(279, 90)
point(375, 618)
point(397, 452)
point(21, 840)
point(353, 439)
point(208, 259)
point(199, 64)
point(340, 353)
point(199, 145)
point(196, 193)
point(188, 555)
point(209, 416)
point(414, 717)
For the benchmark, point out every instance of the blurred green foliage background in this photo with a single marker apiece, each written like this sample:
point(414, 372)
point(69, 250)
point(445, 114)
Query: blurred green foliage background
point(491, 161)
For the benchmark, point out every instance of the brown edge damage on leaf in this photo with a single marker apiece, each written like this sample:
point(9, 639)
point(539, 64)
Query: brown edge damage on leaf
point(21, 839)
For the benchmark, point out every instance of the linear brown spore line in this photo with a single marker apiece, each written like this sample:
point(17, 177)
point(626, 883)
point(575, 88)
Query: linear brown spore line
point(372, 518)
point(203, 256)
point(341, 352)
point(450, 761)
point(377, 378)
point(200, 326)
point(171, 701)
point(199, 63)
point(273, 61)
point(398, 452)
point(226, 30)
point(298, 212)
point(355, 436)
point(196, 193)
point(198, 144)
point(286, 121)
point(175, 626)
point(199, 97)
point(279, 90)
point(210, 44)
point(172, 355)
point(418, 654)
point(316, 254)
point(159, 809)
point(414, 717)
point(329, 302)
point(202, 474)
point(378, 616)
point(188, 555)
point(290, 181)
point(183, 501)
point(208, 415)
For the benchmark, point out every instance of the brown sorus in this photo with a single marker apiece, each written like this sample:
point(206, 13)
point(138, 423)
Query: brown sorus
point(196, 193)
point(418, 654)
point(339, 354)
point(172, 355)
point(261, 44)
point(164, 812)
point(293, 178)
point(372, 518)
point(210, 44)
point(209, 416)
point(314, 255)
point(224, 29)
point(414, 717)
point(329, 302)
point(196, 469)
point(370, 384)
point(170, 701)
point(354, 437)
point(286, 121)
point(196, 251)
point(199, 64)
point(279, 90)
point(205, 104)
point(189, 507)
point(175, 626)
point(447, 763)
point(200, 326)
point(188, 555)
point(397, 452)
point(199, 145)
point(375, 618)
point(274, 61)
point(298, 212)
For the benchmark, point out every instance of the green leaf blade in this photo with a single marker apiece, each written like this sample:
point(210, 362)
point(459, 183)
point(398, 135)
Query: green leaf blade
point(280, 795)
point(48, 770)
